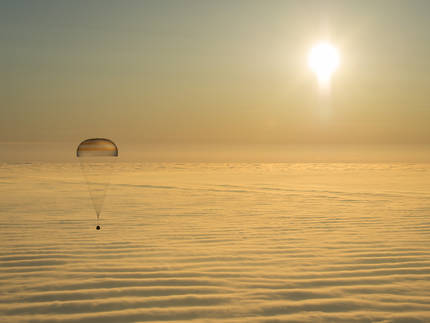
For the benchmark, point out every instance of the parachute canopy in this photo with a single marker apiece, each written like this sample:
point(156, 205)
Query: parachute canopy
point(97, 147)
point(95, 156)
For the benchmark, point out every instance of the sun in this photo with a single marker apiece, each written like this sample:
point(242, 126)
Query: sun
point(324, 59)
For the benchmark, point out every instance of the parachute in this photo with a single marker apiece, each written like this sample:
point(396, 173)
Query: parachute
point(97, 157)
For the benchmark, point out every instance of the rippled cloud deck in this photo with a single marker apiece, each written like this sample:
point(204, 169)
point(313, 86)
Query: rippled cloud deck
point(217, 243)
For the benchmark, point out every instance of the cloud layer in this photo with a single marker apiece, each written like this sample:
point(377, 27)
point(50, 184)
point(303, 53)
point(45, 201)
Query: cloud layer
point(217, 243)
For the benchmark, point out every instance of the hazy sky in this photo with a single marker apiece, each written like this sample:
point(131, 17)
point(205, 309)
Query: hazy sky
point(213, 72)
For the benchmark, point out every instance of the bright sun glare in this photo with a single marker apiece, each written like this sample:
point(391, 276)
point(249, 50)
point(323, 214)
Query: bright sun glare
point(323, 59)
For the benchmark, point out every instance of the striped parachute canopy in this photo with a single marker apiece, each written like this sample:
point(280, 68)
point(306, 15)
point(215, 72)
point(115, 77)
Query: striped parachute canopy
point(97, 164)
point(97, 147)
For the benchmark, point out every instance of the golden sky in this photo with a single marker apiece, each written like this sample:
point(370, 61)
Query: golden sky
point(205, 72)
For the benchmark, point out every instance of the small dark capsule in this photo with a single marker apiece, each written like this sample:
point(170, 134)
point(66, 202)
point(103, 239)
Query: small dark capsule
point(98, 227)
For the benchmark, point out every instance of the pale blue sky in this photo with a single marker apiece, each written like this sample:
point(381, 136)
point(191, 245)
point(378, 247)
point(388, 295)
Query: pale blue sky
point(213, 71)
